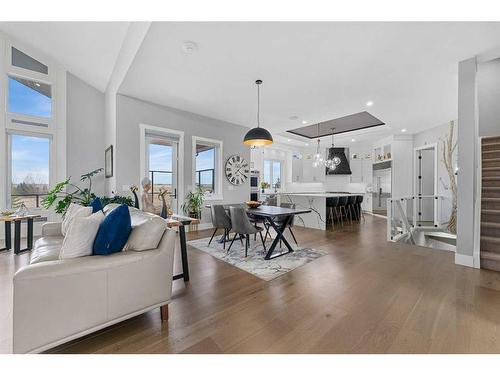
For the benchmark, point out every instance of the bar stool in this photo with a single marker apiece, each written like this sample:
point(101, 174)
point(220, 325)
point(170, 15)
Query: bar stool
point(359, 200)
point(351, 203)
point(333, 204)
point(342, 206)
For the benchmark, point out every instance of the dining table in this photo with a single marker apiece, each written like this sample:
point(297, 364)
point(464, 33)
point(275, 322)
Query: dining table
point(278, 218)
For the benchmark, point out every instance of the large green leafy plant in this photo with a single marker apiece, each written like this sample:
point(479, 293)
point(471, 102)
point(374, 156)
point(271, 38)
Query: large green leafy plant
point(65, 193)
point(193, 202)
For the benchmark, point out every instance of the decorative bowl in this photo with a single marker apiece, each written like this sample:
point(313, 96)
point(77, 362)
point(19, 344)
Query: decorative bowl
point(253, 204)
point(7, 212)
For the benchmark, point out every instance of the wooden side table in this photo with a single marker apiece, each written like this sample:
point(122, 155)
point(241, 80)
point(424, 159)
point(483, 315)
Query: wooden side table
point(17, 232)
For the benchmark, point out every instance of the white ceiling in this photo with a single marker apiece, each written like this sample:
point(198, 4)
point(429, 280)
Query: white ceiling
point(87, 49)
point(316, 71)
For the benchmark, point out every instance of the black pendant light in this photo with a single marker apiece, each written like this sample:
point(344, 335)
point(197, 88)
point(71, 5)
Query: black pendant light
point(258, 136)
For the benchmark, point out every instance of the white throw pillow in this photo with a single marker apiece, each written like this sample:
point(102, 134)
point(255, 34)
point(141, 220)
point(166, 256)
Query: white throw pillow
point(147, 231)
point(80, 237)
point(74, 211)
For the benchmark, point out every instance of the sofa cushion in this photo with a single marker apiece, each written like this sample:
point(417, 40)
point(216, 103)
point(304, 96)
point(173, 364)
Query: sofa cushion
point(46, 249)
point(113, 232)
point(96, 205)
point(74, 210)
point(147, 230)
point(79, 239)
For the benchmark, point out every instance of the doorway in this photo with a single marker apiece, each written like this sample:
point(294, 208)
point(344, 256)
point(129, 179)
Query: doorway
point(425, 182)
point(161, 154)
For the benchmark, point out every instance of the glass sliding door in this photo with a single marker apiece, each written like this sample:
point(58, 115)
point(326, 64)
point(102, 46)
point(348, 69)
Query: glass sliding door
point(162, 160)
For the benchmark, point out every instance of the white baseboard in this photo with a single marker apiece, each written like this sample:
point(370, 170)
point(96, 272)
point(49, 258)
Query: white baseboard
point(464, 260)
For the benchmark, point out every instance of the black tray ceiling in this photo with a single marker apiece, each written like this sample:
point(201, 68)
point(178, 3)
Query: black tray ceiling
point(361, 120)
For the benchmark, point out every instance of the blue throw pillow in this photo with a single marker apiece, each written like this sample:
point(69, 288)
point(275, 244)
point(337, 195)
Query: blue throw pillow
point(113, 232)
point(96, 205)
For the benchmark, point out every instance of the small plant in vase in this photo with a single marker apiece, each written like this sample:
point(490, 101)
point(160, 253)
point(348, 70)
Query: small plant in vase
point(264, 185)
point(192, 204)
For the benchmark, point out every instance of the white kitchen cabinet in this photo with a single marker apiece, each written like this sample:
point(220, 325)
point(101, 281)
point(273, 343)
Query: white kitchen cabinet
point(367, 202)
point(297, 169)
point(361, 171)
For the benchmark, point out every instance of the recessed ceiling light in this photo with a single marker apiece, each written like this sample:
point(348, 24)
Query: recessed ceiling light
point(307, 144)
point(403, 130)
point(353, 140)
point(304, 122)
point(189, 47)
point(288, 140)
point(293, 118)
point(369, 103)
point(37, 84)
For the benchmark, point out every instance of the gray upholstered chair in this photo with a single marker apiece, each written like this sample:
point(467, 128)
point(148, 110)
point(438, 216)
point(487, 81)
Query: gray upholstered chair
point(241, 225)
point(220, 220)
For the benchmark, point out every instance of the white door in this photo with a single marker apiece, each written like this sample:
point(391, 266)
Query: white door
point(162, 158)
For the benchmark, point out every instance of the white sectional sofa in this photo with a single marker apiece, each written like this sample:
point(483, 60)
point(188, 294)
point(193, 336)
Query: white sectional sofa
point(56, 301)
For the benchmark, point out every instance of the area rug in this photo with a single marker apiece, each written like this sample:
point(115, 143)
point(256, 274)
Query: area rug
point(255, 263)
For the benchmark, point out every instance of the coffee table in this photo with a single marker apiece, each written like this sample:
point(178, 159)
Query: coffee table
point(17, 220)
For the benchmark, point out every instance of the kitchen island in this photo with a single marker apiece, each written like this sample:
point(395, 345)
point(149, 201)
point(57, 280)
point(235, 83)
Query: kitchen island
point(314, 201)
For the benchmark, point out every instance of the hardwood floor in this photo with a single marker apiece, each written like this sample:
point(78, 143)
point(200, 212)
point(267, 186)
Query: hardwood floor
point(365, 296)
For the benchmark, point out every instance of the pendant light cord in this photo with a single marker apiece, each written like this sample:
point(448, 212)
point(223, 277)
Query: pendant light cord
point(258, 105)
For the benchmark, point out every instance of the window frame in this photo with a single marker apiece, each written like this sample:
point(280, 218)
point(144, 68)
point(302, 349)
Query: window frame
point(218, 172)
point(9, 159)
point(56, 124)
point(272, 161)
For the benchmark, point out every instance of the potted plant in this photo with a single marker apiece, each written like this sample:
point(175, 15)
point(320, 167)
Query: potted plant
point(192, 204)
point(264, 185)
point(61, 198)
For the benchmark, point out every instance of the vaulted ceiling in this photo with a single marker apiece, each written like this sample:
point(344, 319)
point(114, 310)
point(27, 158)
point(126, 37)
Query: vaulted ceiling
point(311, 71)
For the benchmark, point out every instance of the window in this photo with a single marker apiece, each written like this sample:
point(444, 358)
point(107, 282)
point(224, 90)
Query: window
point(31, 134)
point(22, 60)
point(160, 170)
point(272, 173)
point(28, 97)
point(29, 166)
point(207, 166)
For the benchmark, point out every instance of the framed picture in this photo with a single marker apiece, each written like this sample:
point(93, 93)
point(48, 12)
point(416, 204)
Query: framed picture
point(108, 162)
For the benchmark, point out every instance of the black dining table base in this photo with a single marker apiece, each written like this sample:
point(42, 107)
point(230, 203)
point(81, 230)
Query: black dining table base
point(279, 237)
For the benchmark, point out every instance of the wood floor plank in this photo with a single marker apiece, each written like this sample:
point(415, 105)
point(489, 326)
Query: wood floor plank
point(364, 296)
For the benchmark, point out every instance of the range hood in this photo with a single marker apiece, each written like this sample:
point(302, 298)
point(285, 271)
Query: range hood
point(343, 167)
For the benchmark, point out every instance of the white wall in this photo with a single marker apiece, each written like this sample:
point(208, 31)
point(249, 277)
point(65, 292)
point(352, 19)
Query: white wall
point(468, 133)
point(131, 112)
point(85, 131)
point(488, 91)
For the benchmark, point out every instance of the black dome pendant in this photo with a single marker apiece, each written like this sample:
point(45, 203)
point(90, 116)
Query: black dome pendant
point(258, 136)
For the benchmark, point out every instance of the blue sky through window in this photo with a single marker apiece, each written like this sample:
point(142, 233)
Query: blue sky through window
point(160, 159)
point(205, 160)
point(30, 159)
point(26, 101)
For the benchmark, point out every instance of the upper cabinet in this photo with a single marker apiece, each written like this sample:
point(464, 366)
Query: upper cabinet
point(303, 170)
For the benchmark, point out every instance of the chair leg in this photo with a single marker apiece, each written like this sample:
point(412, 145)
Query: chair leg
point(293, 235)
point(241, 240)
point(267, 232)
point(262, 239)
point(231, 244)
point(224, 239)
point(331, 217)
point(213, 234)
point(247, 241)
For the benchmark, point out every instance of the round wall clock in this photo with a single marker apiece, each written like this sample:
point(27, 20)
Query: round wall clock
point(237, 170)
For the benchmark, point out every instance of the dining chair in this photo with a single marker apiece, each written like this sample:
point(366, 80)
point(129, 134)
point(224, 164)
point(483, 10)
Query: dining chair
point(220, 220)
point(241, 225)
